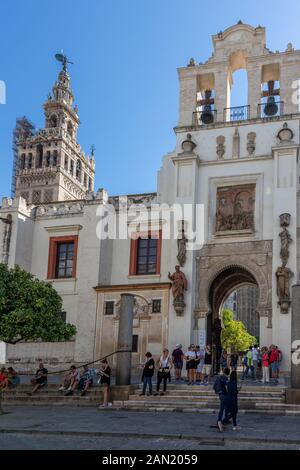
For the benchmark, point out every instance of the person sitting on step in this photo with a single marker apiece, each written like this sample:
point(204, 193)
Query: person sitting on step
point(70, 380)
point(86, 380)
point(40, 379)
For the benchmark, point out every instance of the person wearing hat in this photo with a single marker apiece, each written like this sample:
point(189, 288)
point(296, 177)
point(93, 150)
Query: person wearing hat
point(177, 357)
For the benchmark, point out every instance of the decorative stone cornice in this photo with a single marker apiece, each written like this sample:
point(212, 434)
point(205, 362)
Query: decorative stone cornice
point(133, 287)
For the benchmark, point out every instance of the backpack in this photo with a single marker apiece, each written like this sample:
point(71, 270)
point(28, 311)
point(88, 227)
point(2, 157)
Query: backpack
point(217, 386)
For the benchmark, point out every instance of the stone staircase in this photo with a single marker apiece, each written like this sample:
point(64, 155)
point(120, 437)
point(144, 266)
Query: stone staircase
point(182, 398)
point(202, 399)
point(50, 396)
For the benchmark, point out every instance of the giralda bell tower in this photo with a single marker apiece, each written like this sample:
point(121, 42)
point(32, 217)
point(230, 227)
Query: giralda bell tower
point(51, 165)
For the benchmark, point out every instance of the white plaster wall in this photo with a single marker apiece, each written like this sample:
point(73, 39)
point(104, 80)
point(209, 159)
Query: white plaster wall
point(25, 356)
point(265, 138)
point(2, 352)
point(284, 200)
point(89, 247)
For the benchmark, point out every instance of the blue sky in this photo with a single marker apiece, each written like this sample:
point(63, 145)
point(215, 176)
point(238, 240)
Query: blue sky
point(124, 77)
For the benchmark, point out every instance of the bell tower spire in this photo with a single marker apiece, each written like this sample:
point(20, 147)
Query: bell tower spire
point(51, 164)
point(59, 109)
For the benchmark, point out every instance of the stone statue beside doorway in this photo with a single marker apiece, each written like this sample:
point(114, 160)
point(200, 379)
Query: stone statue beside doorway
point(284, 274)
point(181, 246)
point(179, 286)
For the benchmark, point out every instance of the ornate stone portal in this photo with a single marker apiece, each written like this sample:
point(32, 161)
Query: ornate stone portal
point(283, 273)
point(233, 264)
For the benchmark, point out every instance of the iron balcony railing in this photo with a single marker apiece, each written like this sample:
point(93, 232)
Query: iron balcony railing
point(271, 109)
point(236, 113)
point(204, 117)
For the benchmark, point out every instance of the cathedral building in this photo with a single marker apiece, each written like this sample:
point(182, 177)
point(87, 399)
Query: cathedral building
point(239, 165)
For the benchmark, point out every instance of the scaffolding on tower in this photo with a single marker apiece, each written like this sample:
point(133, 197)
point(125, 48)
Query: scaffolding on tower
point(23, 129)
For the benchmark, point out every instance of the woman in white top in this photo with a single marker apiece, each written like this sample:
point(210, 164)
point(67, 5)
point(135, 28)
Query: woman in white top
point(164, 365)
point(191, 364)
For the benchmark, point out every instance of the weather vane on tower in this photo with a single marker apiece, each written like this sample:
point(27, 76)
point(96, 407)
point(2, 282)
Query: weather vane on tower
point(63, 59)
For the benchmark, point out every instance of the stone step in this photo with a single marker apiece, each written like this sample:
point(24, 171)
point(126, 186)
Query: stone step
point(44, 392)
point(47, 397)
point(50, 399)
point(196, 392)
point(50, 403)
point(157, 408)
point(248, 388)
point(171, 403)
point(206, 406)
point(214, 398)
point(278, 406)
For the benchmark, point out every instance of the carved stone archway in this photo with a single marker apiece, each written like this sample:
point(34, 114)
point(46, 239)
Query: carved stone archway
point(252, 259)
point(225, 282)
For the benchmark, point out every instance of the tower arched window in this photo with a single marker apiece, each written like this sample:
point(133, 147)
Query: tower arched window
point(29, 162)
point(48, 158)
point(78, 170)
point(53, 120)
point(39, 156)
point(22, 161)
point(72, 167)
point(70, 128)
point(54, 160)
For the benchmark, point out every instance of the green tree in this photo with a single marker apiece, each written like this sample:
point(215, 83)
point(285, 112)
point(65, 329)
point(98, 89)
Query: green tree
point(30, 309)
point(234, 334)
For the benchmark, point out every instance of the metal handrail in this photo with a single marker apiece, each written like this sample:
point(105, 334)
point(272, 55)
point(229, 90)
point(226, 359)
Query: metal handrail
point(84, 364)
point(236, 113)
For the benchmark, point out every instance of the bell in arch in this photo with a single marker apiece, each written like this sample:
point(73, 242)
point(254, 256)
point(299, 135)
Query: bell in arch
point(271, 107)
point(207, 116)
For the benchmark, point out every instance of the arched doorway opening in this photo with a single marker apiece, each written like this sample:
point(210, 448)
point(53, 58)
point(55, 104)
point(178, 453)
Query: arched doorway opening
point(229, 280)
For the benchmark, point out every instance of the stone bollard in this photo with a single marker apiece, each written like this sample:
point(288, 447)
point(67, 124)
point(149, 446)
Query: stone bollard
point(123, 371)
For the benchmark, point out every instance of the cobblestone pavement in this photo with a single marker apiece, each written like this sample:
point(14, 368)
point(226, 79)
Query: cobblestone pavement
point(36, 427)
point(37, 442)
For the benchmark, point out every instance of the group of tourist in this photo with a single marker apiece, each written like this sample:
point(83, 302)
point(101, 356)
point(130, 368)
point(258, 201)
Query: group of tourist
point(74, 381)
point(262, 363)
point(257, 363)
point(8, 378)
point(198, 364)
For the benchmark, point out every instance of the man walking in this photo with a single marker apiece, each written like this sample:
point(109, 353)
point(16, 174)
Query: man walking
point(220, 388)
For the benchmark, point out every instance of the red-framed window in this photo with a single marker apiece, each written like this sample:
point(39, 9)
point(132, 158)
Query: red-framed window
point(62, 257)
point(145, 253)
